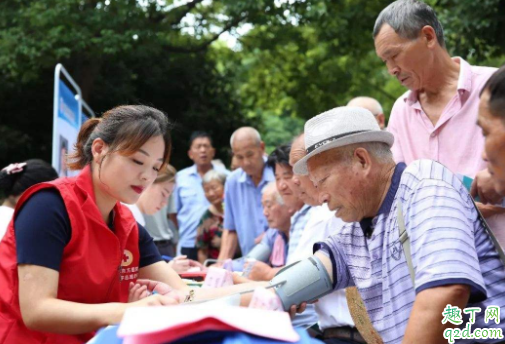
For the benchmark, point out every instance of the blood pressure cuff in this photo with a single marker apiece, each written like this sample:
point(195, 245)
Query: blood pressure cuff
point(260, 252)
point(304, 281)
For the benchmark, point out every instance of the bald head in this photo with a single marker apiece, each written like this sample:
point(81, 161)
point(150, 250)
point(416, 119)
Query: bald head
point(248, 150)
point(368, 103)
point(245, 134)
point(371, 105)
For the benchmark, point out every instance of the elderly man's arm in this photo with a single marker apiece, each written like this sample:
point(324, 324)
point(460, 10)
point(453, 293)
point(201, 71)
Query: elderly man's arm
point(229, 242)
point(260, 271)
point(425, 323)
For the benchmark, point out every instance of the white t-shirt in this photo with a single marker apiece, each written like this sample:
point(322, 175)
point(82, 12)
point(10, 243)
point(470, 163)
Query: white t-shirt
point(6, 214)
point(136, 213)
point(332, 309)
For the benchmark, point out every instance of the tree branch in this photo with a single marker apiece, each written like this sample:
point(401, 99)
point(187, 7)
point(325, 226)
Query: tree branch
point(204, 45)
point(184, 9)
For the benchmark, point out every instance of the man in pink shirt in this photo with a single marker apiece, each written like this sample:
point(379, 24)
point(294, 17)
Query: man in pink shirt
point(436, 119)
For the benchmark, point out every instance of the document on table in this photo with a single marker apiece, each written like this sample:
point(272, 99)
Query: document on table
point(144, 325)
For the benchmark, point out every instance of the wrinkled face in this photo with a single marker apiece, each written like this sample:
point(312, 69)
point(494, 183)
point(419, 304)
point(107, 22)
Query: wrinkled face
point(493, 129)
point(301, 184)
point(407, 60)
point(284, 182)
point(249, 156)
point(278, 216)
point(214, 191)
point(125, 178)
point(339, 184)
point(201, 151)
point(156, 197)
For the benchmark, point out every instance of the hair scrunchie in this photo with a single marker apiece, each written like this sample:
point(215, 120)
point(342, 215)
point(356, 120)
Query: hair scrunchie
point(14, 168)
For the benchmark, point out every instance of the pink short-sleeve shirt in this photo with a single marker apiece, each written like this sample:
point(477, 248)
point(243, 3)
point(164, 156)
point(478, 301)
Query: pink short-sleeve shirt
point(455, 141)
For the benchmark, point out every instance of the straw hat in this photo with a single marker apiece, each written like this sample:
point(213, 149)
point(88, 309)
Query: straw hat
point(339, 127)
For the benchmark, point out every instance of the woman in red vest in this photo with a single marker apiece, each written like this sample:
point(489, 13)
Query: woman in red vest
point(72, 249)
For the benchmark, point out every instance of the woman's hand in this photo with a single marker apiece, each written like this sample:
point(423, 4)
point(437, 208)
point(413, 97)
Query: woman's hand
point(145, 288)
point(137, 292)
point(158, 300)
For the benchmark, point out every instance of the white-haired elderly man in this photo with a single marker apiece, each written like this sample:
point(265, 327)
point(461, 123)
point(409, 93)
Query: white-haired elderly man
point(453, 260)
point(332, 310)
point(276, 238)
point(436, 119)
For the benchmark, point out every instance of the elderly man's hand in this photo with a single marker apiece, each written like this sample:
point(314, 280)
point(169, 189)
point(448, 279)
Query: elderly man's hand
point(183, 264)
point(488, 210)
point(259, 271)
point(483, 186)
point(297, 309)
point(300, 309)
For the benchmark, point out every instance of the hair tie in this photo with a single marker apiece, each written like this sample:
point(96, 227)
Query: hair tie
point(14, 168)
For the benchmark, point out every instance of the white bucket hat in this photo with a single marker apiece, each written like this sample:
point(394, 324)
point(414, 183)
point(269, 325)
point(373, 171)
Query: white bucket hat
point(339, 127)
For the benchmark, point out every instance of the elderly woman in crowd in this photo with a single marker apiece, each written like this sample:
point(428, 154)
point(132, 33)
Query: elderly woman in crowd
point(210, 228)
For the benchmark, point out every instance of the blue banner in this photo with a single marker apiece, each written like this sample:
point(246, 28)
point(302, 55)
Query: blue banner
point(68, 106)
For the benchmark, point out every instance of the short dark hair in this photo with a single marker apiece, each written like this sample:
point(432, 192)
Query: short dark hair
point(35, 171)
point(407, 18)
point(279, 156)
point(199, 134)
point(496, 88)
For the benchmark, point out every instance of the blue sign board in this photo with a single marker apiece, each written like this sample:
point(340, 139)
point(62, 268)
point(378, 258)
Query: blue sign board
point(68, 106)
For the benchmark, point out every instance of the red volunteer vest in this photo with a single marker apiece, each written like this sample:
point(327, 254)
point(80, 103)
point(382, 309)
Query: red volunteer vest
point(97, 264)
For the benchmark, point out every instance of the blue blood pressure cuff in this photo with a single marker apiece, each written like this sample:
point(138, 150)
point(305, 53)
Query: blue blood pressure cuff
point(260, 252)
point(304, 281)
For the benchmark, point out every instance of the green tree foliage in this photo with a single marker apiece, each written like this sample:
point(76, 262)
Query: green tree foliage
point(119, 51)
point(319, 58)
point(474, 29)
point(300, 58)
point(322, 54)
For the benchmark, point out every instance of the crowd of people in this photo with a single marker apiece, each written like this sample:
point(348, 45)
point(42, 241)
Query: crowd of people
point(380, 216)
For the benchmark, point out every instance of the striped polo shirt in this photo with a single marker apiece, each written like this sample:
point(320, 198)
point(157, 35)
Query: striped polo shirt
point(448, 246)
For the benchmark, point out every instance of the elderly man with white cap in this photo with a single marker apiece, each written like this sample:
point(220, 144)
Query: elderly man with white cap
point(445, 260)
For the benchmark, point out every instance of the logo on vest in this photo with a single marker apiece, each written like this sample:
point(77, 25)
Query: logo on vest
point(127, 258)
point(131, 272)
point(396, 250)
